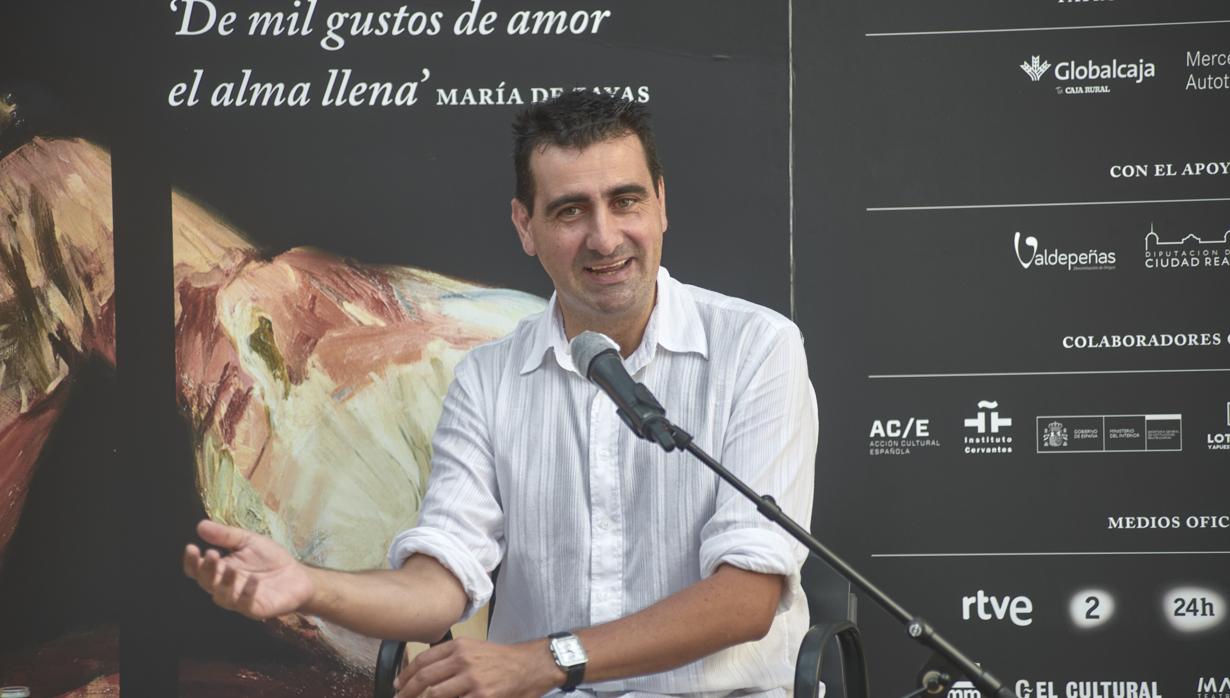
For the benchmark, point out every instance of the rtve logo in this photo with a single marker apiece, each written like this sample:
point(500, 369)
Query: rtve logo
point(1018, 609)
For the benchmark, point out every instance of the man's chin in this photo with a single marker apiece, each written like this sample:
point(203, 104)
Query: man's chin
point(611, 304)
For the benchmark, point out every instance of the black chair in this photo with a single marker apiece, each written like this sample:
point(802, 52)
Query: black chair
point(833, 615)
point(844, 672)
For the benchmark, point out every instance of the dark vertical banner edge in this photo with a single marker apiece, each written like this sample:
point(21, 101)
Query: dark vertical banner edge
point(145, 365)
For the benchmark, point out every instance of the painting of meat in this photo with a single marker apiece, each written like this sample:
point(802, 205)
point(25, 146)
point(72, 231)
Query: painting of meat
point(313, 385)
point(309, 383)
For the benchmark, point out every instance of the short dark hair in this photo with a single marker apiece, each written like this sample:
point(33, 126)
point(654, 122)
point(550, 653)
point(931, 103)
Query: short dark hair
point(577, 119)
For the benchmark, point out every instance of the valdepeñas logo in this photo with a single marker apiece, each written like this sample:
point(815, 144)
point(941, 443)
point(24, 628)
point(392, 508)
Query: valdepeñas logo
point(1031, 257)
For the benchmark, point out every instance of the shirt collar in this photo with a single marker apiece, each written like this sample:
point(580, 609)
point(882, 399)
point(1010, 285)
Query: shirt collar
point(674, 325)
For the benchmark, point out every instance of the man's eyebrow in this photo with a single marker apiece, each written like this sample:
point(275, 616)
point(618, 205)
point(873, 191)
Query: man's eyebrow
point(627, 189)
point(577, 198)
point(560, 201)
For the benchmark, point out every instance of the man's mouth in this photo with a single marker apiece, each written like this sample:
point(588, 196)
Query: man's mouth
point(609, 268)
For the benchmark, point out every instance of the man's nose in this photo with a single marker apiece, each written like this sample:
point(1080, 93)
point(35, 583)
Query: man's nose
point(604, 236)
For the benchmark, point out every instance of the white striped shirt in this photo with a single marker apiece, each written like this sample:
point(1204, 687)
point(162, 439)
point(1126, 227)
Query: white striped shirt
point(534, 471)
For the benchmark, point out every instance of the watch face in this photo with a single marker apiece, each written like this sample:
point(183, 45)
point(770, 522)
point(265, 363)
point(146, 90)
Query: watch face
point(568, 651)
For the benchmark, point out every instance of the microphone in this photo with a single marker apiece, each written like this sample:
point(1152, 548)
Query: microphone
point(597, 357)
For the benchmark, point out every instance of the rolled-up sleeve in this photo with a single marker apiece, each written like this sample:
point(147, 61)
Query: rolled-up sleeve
point(770, 443)
point(461, 523)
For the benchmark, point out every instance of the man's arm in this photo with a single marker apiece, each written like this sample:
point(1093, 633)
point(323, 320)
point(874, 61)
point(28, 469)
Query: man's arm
point(260, 579)
point(419, 599)
point(729, 607)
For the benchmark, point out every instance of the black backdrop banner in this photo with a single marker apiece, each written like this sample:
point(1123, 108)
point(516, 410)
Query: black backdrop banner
point(1011, 247)
point(1001, 227)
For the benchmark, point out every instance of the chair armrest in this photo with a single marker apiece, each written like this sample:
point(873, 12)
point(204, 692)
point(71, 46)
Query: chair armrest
point(850, 673)
point(389, 661)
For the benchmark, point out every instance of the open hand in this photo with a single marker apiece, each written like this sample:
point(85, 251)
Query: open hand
point(466, 667)
point(259, 578)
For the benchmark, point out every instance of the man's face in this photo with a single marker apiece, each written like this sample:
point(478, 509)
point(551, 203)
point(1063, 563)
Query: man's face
point(597, 229)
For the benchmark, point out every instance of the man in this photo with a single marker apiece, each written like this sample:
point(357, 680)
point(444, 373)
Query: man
point(662, 580)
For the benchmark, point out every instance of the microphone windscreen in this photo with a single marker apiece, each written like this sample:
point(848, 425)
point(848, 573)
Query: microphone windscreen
point(586, 346)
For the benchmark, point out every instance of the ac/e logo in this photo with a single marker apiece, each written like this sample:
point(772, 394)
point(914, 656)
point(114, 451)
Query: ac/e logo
point(1018, 609)
point(896, 429)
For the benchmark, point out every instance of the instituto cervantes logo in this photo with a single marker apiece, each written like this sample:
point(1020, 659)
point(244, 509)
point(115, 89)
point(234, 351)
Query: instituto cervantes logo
point(988, 419)
point(989, 424)
point(1031, 256)
point(1035, 68)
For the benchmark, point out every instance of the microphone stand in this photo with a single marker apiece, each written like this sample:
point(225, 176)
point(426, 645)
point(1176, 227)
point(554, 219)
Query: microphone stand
point(916, 627)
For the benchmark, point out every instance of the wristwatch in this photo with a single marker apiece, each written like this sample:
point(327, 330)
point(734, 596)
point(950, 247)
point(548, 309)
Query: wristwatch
point(569, 656)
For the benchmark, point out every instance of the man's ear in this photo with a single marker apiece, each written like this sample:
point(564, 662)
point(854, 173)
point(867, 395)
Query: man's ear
point(662, 201)
point(521, 221)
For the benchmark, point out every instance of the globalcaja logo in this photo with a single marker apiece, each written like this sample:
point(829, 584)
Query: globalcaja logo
point(1186, 254)
point(991, 428)
point(1035, 68)
point(1093, 76)
point(1029, 256)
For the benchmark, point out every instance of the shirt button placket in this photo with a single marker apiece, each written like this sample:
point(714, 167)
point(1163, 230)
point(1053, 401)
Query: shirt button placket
point(606, 550)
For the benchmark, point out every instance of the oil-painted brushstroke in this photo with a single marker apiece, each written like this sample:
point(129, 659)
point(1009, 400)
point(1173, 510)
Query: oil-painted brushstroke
point(312, 385)
point(56, 296)
point(66, 665)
